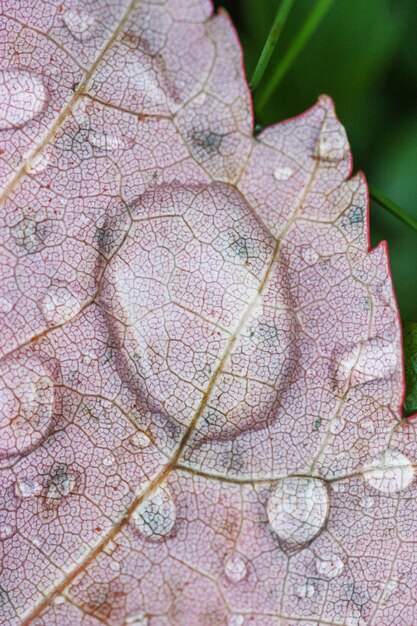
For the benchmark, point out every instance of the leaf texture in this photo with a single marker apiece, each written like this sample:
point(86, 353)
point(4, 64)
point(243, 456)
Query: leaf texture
point(202, 372)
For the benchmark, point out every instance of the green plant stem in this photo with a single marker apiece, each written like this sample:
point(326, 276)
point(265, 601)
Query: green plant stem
point(271, 42)
point(392, 208)
point(302, 37)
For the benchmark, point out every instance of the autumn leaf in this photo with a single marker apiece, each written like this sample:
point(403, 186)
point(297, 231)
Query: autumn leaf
point(202, 369)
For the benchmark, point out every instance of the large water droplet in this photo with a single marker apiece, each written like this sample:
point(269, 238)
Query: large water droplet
point(329, 566)
point(26, 403)
point(22, 96)
point(235, 568)
point(282, 173)
point(59, 305)
point(389, 472)
point(365, 361)
point(79, 24)
point(155, 516)
point(297, 509)
point(27, 487)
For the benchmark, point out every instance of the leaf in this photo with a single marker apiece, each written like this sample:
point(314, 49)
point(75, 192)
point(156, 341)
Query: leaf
point(410, 366)
point(201, 358)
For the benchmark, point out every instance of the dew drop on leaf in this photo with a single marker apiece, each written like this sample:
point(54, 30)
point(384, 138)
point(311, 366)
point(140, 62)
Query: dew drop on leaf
point(372, 359)
point(26, 405)
point(329, 566)
point(155, 516)
point(140, 440)
point(235, 568)
point(306, 590)
point(6, 531)
point(297, 509)
point(5, 305)
point(310, 256)
point(22, 95)
point(282, 173)
point(236, 620)
point(389, 472)
point(27, 488)
point(79, 24)
point(59, 305)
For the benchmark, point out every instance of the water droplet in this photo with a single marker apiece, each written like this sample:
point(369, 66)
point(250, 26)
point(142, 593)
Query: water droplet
point(79, 24)
point(297, 509)
point(355, 621)
point(59, 305)
point(6, 530)
point(59, 600)
point(108, 461)
point(310, 256)
point(200, 99)
point(390, 588)
point(236, 620)
point(369, 360)
point(333, 144)
point(23, 97)
point(27, 488)
point(306, 590)
point(105, 141)
point(282, 173)
point(140, 440)
point(38, 164)
point(26, 405)
point(155, 516)
point(5, 305)
point(61, 484)
point(235, 568)
point(139, 618)
point(366, 427)
point(336, 426)
point(329, 566)
point(114, 566)
point(367, 502)
point(389, 472)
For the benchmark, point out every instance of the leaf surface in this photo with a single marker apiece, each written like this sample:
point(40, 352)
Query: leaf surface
point(202, 370)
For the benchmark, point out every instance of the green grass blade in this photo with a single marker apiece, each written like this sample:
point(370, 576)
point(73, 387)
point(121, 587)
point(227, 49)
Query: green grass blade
point(392, 208)
point(307, 29)
point(273, 36)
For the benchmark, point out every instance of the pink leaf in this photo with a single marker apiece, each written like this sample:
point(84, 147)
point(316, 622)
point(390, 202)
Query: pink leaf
point(202, 370)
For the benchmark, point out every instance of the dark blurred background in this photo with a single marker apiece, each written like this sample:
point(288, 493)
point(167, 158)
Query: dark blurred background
point(363, 54)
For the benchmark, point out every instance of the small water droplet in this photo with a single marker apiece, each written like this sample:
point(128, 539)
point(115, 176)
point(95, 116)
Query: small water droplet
point(23, 97)
point(140, 440)
point(88, 358)
point(367, 502)
point(38, 164)
point(297, 509)
point(372, 359)
point(5, 305)
point(108, 461)
point(282, 173)
point(336, 426)
point(79, 24)
point(139, 618)
point(114, 566)
point(235, 568)
point(366, 427)
point(390, 588)
point(26, 404)
point(61, 484)
point(27, 488)
point(306, 590)
point(338, 487)
point(389, 472)
point(236, 620)
point(59, 600)
point(200, 99)
point(310, 256)
point(6, 530)
point(329, 566)
point(155, 517)
point(59, 305)
point(105, 141)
